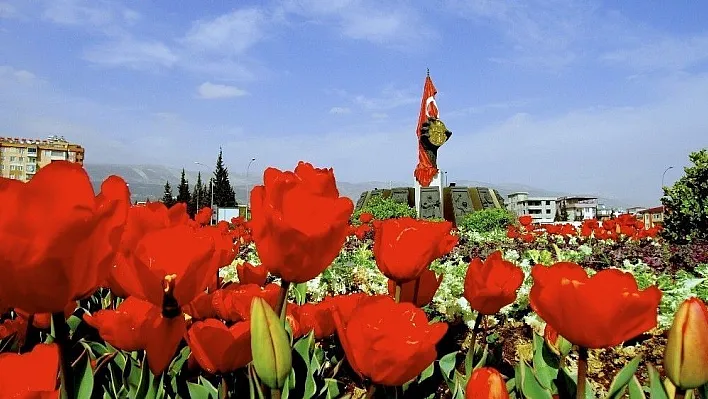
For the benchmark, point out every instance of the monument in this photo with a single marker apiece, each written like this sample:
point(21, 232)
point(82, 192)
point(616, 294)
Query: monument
point(429, 196)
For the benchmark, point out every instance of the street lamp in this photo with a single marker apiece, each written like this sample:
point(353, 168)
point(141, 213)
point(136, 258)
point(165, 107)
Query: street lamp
point(248, 200)
point(211, 188)
point(664, 174)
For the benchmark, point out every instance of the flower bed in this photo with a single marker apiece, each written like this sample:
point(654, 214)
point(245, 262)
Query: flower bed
point(108, 300)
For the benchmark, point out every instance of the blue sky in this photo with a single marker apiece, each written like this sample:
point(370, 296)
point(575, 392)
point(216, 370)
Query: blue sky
point(576, 96)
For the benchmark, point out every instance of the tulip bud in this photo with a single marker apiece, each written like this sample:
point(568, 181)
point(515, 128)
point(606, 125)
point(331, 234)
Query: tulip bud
point(270, 345)
point(686, 353)
point(556, 343)
point(486, 383)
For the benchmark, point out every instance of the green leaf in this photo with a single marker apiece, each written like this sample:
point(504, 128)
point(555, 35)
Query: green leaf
point(213, 392)
point(483, 360)
point(73, 323)
point(305, 345)
point(623, 378)
point(656, 388)
point(530, 386)
point(636, 391)
point(178, 362)
point(447, 363)
point(197, 391)
point(310, 383)
point(427, 373)
point(332, 388)
point(300, 292)
point(145, 381)
point(83, 381)
point(545, 363)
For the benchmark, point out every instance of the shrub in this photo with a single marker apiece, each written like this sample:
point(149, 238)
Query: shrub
point(385, 208)
point(487, 220)
point(686, 202)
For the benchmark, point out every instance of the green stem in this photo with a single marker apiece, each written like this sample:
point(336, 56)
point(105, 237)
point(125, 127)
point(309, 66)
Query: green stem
point(475, 329)
point(582, 372)
point(370, 392)
point(398, 293)
point(415, 291)
point(680, 393)
point(275, 394)
point(281, 306)
point(61, 338)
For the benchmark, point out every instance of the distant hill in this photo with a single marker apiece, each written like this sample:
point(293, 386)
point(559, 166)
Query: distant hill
point(148, 181)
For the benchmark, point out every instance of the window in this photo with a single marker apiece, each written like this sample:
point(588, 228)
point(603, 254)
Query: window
point(534, 211)
point(30, 168)
point(12, 159)
point(548, 211)
point(19, 167)
point(12, 167)
point(58, 153)
point(21, 159)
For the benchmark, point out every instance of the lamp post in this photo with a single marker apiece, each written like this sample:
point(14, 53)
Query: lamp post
point(664, 175)
point(211, 188)
point(248, 199)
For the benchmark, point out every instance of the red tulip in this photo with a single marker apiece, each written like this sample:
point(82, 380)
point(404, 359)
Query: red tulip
point(203, 217)
point(525, 220)
point(220, 349)
point(486, 383)
point(234, 302)
point(179, 257)
point(593, 312)
point(405, 247)
point(249, 274)
point(388, 342)
point(491, 285)
point(366, 217)
point(30, 375)
point(17, 326)
point(138, 324)
point(428, 284)
point(60, 240)
point(317, 318)
point(299, 221)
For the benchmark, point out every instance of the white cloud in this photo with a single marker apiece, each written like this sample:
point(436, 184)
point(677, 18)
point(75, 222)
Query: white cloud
point(10, 74)
point(389, 98)
point(7, 10)
point(340, 110)
point(394, 24)
point(663, 53)
point(230, 34)
point(208, 90)
point(131, 53)
point(109, 18)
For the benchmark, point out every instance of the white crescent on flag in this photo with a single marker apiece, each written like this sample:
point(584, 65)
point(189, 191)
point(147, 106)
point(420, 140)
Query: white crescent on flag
point(431, 108)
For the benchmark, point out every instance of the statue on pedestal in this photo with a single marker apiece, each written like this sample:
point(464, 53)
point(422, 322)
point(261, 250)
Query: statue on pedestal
point(433, 134)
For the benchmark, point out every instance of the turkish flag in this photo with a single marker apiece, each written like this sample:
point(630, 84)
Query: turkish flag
point(425, 171)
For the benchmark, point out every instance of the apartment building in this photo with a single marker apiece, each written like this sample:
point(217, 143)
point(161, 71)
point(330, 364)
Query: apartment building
point(21, 158)
point(541, 209)
point(652, 216)
point(576, 208)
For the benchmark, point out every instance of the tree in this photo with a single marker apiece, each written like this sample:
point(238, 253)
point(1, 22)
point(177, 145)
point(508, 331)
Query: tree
point(224, 195)
point(686, 202)
point(183, 190)
point(167, 198)
point(562, 214)
point(197, 201)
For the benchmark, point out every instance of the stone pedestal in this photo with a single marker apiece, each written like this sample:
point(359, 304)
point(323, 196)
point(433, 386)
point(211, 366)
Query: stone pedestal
point(429, 200)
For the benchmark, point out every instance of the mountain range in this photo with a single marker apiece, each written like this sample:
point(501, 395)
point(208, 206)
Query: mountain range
point(148, 182)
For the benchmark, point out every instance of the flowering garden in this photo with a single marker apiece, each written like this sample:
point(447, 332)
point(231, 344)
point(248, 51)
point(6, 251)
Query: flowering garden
point(308, 299)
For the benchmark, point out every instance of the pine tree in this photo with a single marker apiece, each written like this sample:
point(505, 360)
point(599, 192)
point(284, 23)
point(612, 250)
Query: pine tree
point(224, 195)
point(197, 200)
point(167, 198)
point(183, 194)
